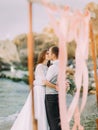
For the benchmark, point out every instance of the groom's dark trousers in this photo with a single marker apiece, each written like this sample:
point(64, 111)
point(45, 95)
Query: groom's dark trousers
point(52, 111)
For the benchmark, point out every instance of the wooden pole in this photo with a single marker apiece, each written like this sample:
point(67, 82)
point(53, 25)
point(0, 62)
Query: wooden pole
point(31, 62)
point(30, 48)
point(93, 47)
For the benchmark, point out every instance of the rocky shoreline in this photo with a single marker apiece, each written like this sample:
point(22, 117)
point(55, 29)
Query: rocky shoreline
point(15, 76)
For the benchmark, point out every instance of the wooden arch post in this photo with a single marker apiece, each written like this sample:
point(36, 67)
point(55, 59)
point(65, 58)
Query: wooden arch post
point(94, 57)
point(31, 61)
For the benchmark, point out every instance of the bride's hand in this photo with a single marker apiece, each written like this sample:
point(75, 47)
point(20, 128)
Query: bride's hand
point(44, 82)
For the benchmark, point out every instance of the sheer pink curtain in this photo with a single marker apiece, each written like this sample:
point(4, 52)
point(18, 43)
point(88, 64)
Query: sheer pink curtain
point(71, 25)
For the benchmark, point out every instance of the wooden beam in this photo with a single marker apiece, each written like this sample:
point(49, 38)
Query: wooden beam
point(94, 57)
point(31, 62)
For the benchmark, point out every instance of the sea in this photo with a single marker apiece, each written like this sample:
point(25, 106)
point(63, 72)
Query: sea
point(12, 98)
point(14, 94)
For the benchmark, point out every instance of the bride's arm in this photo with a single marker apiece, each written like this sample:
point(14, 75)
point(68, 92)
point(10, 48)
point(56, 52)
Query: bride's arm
point(47, 83)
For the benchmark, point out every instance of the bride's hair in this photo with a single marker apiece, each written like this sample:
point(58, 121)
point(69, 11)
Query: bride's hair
point(41, 56)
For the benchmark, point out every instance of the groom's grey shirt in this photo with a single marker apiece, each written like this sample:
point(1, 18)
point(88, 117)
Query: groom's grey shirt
point(51, 76)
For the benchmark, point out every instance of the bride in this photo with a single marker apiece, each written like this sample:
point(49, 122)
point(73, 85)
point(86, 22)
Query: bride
point(24, 119)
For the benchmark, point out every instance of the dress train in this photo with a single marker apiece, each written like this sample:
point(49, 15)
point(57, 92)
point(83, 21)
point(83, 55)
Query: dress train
point(24, 119)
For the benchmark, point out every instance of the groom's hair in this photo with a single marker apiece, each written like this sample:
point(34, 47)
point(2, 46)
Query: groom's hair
point(55, 50)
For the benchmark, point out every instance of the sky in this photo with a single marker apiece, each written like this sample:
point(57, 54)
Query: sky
point(14, 16)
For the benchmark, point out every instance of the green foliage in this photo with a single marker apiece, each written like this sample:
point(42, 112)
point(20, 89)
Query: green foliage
point(21, 67)
point(72, 86)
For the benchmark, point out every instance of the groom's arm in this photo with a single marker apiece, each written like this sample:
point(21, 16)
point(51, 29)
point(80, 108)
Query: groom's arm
point(49, 84)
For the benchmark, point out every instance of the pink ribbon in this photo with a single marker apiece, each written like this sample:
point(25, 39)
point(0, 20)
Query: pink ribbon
point(71, 26)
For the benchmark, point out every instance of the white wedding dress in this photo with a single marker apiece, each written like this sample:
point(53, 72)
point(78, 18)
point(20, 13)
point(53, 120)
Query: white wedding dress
point(39, 97)
point(24, 119)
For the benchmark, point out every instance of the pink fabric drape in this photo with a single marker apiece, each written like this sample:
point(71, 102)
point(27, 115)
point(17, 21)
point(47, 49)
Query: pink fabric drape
point(71, 26)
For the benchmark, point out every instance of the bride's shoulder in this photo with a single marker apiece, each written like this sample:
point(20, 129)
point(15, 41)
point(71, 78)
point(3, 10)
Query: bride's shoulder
point(39, 66)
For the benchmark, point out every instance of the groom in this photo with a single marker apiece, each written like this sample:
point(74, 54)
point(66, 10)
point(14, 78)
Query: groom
point(51, 97)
